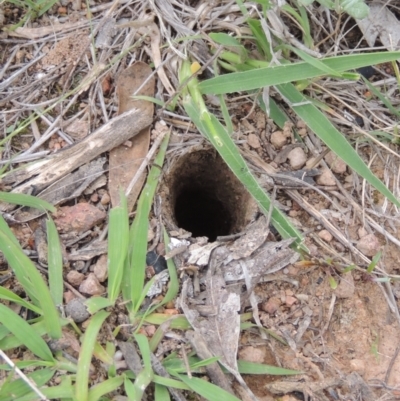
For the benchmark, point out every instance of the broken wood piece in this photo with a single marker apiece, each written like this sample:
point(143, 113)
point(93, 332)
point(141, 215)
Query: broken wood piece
point(44, 173)
point(125, 161)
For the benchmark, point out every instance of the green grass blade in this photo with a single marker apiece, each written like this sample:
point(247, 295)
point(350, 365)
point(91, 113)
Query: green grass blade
point(62, 392)
point(255, 79)
point(11, 341)
point(95, 304)
point(18, 388)
point(22, 278)
point(24, 332)
point(145, 377)
point(320, 65)
point(252, 368)
point(161, 393)
point(10, 296)
point(85, 356)
point(31, 280)
point(207, 390)
point(26, 200)
point(167, 382)
point(105, 387)
point(118, 240)
point(332, 138)
point(384, 99)
point(179, 322)
point(55, 263)
point(134, 276)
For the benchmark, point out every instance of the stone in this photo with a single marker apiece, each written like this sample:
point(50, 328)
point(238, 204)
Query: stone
point(278, 139)
point(297, 158)
point(325, 235)
point(289, 300)
point(105, 199)
point(362, 232)
point(77, 310)
point(68, 295)
point(336, 163)
point(91, 286)
point(254, 141)
point(75, 278)
point(326, 178)
point(271, 306)
point(78, 218)
point(369, 245)
point(100, 269)
point(253, 354)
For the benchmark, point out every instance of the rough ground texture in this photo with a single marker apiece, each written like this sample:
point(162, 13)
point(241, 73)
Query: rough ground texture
point(342, 330)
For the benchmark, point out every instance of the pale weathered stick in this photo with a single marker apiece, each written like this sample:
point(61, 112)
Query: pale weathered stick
point(114, 133)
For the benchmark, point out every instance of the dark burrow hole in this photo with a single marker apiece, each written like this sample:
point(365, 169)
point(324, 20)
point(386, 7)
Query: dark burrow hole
point(205, 198)
point(198, 211)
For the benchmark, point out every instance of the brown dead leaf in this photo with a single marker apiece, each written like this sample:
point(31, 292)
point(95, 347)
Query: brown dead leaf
point(124, 160)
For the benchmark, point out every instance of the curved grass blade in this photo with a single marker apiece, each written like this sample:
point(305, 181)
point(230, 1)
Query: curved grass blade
point(18, 388)
point(161, 393)
point(55, 263)
point(26, 200)
point(105, 387)
point(25, 334)
point(207, 390)
point(10, 296)
point(213, 130)
point(254, 79)
point(145, 377)
point(85, 356)
point(30, 279)
point(332, 138)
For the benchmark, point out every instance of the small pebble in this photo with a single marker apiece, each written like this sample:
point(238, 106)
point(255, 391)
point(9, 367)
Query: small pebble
point(325, 235)
point(77, 310)
point(91, 286)
point(297, 158)
point(94, 197)
point(289, 300)
point(302, 132)
point(369, 245)
point(75, 278)
point(362, 232)
point(100, 269)
point(105, 199)
point(336, 163)
point(253, 354)
point(158, 262)
point(271, 306)
point(254, 141)
point(278, 139)
point(326, 178)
